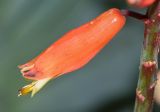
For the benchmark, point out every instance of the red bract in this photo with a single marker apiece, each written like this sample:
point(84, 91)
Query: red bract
point(73, 50)
point(140, 3)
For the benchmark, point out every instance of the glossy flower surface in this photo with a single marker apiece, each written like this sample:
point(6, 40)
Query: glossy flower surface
point(72, 51)
point(141, 3)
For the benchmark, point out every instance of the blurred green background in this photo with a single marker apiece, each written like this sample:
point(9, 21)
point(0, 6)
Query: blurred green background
point(106, 84)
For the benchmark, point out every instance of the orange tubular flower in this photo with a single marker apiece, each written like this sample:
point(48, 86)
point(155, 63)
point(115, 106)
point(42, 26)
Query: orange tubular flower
point(140, 3)
point(72, 51)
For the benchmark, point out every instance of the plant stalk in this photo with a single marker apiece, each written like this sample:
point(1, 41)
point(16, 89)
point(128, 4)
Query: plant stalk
point(148, 63)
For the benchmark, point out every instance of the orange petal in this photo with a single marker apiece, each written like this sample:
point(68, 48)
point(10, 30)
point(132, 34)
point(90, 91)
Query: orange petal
point(141, 3)
point(75, 49)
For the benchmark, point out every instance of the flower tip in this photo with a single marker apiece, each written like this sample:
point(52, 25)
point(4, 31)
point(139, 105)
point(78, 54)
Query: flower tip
point(28, 71)
point(19, 94)
point(24, 68)
point(34, 87)
point(26, 89)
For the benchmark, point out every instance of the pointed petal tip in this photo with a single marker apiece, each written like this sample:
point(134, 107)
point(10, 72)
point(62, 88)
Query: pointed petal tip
point(33, 88)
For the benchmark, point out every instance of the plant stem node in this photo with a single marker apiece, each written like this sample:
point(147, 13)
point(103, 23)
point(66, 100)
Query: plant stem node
point(139, 95)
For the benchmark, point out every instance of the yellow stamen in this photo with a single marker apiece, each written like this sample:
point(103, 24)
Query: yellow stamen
point(34, 87)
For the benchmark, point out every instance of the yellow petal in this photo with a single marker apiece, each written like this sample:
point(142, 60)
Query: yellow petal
point(34, 87)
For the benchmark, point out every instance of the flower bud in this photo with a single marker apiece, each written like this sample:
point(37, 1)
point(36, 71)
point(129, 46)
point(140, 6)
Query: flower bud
point(140, 3)
point(75, 49)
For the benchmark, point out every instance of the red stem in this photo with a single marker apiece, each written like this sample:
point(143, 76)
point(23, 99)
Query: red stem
point(135, 15)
